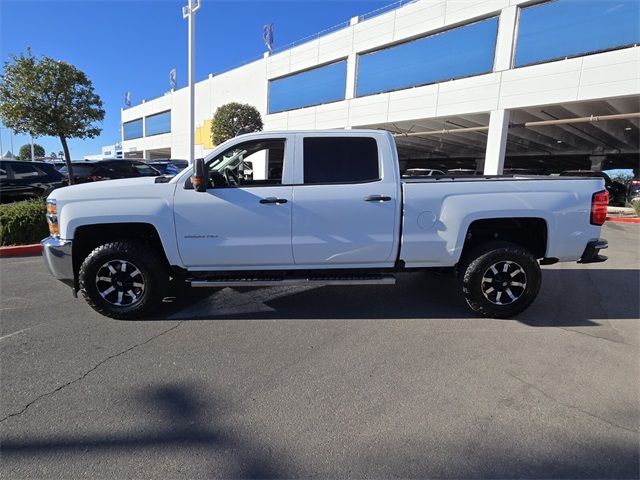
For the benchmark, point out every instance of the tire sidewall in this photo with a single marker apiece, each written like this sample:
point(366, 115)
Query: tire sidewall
point(134, 254)
point(475, 270)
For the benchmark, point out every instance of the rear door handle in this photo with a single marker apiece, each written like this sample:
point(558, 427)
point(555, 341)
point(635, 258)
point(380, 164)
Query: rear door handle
point(377, 198)
point(275, 200)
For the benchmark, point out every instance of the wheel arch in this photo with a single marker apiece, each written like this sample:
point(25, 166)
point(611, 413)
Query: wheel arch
point(530, 233)
point(88, 237)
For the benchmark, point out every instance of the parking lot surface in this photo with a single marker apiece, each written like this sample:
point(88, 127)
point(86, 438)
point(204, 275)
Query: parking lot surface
point(373, 382)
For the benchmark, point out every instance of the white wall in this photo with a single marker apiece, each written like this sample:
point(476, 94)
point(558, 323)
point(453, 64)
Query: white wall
point(604, 75)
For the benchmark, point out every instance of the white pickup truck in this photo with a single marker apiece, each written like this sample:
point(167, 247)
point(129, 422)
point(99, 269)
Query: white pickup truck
point(318, 208)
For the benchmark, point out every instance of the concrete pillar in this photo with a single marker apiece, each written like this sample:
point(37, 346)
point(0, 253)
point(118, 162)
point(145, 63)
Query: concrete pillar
point(352, 64)
point(506, 39)
point(596, 162)
point(352, 70)
point(496, 142)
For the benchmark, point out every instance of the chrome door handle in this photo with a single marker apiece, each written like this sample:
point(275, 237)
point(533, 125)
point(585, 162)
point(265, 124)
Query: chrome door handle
point(275, 200)
point(377, 198)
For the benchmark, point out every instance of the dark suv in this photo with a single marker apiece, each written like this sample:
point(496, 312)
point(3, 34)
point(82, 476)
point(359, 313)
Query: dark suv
point(110, 170)
point(20, 180)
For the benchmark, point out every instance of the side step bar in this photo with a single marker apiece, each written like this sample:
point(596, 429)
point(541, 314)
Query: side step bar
point(281, 281)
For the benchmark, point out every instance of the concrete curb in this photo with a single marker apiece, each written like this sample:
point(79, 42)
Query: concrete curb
point(623, 220)
point(21, 250)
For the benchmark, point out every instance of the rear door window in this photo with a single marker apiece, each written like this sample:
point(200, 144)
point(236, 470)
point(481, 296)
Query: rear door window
point(23, 171)
point(340, 160)
point(144, 170)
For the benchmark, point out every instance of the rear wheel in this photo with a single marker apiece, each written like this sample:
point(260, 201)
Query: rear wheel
point(123, 280)
point(500, 279)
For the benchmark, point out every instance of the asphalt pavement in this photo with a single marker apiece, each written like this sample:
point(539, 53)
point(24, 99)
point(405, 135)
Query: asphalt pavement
point(340, 382)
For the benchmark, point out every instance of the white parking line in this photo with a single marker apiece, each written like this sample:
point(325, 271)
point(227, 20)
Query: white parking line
point(20, 331)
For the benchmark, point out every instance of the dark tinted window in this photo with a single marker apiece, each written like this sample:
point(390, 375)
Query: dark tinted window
point(49, 170)
point(3, 170)
point(340, 160)
point(121, 168)
point(24, 170)
point(79, 170)
point(180, 163)
point(144, 170)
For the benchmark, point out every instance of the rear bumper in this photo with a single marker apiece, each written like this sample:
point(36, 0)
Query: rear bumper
point(591, 251)
point(57, 256)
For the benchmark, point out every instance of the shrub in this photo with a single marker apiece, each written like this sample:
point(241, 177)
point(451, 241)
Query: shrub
point(22, 223)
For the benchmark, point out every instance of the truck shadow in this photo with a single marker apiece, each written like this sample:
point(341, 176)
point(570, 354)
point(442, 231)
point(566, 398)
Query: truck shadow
point(569, 297)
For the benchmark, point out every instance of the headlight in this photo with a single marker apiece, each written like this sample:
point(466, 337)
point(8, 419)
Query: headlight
point(52, 217)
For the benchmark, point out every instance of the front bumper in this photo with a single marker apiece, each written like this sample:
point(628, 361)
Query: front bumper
point(57, 256)
point(591, 251)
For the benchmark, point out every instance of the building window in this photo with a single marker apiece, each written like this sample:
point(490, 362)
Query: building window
point(456, 53)
point(313, 87)
point(133, 129)
point(340, 160)
point(566, 28)
point(158, 123)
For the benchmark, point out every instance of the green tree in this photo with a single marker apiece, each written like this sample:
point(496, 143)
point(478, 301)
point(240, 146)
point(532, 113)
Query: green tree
point(25, 151)
point(46, 97)
point(233, 119)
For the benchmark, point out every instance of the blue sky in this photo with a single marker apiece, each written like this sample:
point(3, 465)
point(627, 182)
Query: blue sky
point(125, 45)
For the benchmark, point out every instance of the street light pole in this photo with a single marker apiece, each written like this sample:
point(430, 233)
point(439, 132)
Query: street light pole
point(188, 12)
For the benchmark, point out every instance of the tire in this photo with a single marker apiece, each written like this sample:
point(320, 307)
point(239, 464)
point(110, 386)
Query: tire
point(124, 279)
point(500, 279)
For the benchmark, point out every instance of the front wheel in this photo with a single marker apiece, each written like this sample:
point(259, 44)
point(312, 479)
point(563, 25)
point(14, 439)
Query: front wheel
point(123, 280)
point(500, 279)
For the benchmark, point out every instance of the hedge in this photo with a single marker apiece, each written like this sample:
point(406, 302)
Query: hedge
point(22, 223)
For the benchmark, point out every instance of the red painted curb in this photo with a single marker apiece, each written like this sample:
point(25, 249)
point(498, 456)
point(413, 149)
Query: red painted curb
point(623, 219)
point(21, 250)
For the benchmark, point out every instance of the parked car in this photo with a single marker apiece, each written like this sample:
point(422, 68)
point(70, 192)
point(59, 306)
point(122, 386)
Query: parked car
point(109, 170)
point(334, 212)
point(20, 180)
point(633, 189)
point(422, 172)
point(169, 167)
point(617, 191)
point(463, 172)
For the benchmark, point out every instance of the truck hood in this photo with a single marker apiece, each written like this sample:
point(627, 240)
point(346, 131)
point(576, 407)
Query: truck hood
point(140, 187)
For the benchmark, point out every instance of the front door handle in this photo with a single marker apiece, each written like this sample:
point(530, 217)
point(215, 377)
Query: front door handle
point(377, 198)
point(275, 200)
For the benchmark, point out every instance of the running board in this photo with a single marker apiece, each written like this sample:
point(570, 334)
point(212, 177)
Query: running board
point(281, 281)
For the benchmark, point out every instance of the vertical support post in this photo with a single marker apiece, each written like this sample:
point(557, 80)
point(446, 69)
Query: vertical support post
point(33, 154)
point(352, 61)
point(188, 12)
point(192, 122)
point(596, 162)
point(505, 45)
point(496, 142)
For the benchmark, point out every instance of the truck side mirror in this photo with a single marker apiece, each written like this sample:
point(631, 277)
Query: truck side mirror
point(199, 179)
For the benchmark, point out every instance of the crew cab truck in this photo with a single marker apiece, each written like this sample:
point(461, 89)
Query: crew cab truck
point(319, 208)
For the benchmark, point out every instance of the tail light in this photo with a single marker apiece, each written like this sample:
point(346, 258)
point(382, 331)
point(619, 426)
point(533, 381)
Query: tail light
point(599, 203)
point(94, 178)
